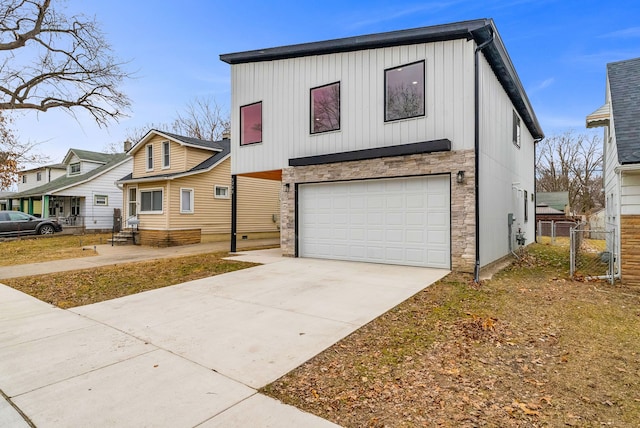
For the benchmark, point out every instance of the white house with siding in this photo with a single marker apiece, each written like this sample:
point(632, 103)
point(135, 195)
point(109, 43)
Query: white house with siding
point(410, 147)
point(619, 116)
point(85, 196)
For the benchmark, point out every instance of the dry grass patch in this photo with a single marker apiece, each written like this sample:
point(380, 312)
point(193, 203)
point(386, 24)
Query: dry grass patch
point(528, 348)
point(48, 248)
point(85, 286)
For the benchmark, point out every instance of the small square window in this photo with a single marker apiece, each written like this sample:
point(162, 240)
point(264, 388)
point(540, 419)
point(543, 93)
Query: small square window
point(151, 201)
point(74, 168)
point(325, 108)
point(186, 200)
point(516, 129)
point(251, 124)
point(404, 91)
point(102, 200)
point(221, 192)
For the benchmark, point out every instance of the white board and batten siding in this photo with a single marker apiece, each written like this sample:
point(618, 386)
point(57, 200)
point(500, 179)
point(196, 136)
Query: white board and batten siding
point(506, 171)
point(283, 87)
point(100, 216)
point(403, 221)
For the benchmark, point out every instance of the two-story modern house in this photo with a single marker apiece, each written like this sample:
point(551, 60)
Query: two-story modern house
point(180, 193)
point(412, 147)
point(620, 116)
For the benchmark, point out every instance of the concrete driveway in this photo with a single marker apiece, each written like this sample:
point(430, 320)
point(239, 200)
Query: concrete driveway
point(193, 354)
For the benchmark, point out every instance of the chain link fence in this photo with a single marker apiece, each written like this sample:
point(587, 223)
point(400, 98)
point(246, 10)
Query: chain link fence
point(593, 253)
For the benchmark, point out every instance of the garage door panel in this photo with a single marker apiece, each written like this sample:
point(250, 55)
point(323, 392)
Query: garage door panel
point(398, 221)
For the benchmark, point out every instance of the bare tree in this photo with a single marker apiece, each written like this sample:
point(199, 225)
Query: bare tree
point(202, 118)
point(404, 101)
point(56, 61)
point(572, 163)
point(13, 154)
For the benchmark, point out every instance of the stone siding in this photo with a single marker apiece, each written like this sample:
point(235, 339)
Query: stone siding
point(462, 195)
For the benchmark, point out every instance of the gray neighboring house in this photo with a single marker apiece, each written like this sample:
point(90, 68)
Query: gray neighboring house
point(85, 196)
point(620, 117)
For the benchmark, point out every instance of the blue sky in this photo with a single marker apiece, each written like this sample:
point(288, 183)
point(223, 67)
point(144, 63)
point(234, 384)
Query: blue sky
point(559, 48)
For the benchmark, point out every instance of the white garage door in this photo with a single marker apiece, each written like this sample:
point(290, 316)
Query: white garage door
point(402, 221)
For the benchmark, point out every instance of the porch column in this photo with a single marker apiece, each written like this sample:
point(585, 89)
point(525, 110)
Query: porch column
point(30, 206)
point(45, 206)
point(234, 211)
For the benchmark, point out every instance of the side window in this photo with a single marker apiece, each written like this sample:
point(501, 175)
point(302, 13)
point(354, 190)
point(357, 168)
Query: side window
point(166, 160)
point(404, 92)
point(325, 108)
point(186, 200)
point(526, 206)
point(149, 152)
point(516, 129)
point(221, 192)
point(251, 124)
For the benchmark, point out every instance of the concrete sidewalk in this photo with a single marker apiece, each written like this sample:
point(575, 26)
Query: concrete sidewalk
point(110, 255)
point(190, 355)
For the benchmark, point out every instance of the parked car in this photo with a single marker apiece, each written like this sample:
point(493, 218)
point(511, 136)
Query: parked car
point(15, 223)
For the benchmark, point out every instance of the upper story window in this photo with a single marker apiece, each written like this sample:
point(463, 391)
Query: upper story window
point(251, 124)
point(404, 91)
point(74, 168)
point(325, 108)
point(516, 129)
point(24, 179)
point(39, 176)
point(166, 160)
point(149, 152)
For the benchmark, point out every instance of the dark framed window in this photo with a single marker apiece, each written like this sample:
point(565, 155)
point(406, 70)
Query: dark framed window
point(325, 108)
point(516, 129)
point(251, 124)
point(404, 92)
point(526, 206)
point(151, 201)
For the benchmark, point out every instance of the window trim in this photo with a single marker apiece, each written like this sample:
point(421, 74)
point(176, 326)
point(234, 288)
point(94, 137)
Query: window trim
point(311, 108)
point(39, 176)
point(106, 200)
point(166, 155)
point(191, 200)
point(424, 91)
point(24, 178)
point(241, 124)
point(148, 158)
point(516, 132)
point(71, 165)
point(151, 190)
point(221, 186)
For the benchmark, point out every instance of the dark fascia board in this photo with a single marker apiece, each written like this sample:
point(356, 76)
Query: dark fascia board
point(443, 145)
point(456, 30)
point(480, 30)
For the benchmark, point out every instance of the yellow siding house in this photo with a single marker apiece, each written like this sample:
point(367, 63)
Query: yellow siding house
point(180, 193)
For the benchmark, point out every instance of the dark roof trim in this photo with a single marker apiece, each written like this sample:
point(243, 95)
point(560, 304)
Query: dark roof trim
point(379, 152)
point(457, 30)
point(480, 30)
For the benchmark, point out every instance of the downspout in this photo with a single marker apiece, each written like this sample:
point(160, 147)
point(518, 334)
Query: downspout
point(234, 211)
point(535, 188)
point(477, 150)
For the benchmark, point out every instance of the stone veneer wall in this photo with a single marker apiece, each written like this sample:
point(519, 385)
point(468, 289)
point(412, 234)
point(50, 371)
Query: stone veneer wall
point(462, 195)
point(630, 249)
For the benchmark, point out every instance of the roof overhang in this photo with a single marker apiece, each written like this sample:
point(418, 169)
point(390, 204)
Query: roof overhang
point(600, 117)
point(479, 30)
point(154, 132)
